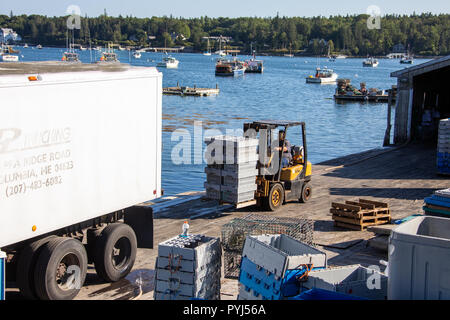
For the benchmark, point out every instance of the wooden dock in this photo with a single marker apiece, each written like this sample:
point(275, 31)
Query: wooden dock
point(401, 177)
point(188, 91)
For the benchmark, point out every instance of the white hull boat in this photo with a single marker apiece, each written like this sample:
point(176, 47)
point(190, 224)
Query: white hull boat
point(323, 76)
point(169, 63)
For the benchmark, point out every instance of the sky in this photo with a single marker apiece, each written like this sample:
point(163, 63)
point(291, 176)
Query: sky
point(228, 8)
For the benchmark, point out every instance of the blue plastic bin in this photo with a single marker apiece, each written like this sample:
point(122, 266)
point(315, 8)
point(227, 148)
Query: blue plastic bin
point(2, 275)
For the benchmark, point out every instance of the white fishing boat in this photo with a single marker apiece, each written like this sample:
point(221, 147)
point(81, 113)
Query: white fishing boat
point(25, 45)
point(169, 63)
point(39, 46)
point(340, 56)
point(370, 62)
point(137, 55)
point(324, 75)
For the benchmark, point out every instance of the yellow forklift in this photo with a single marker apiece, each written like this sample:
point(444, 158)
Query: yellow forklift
point(280, 180)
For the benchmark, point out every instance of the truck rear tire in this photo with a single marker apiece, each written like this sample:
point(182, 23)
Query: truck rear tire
point(26, 265)
point(115, 252)
point(61, 269)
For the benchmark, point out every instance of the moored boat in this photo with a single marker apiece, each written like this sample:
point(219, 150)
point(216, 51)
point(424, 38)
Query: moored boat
point(109, 55)
point(230, 67)
point(137, 55)
point(254, 66)
point(71, 57)
point(407, 60)
point(169, 63)
point(370, 62)
point(324, 75)
point(5, 55)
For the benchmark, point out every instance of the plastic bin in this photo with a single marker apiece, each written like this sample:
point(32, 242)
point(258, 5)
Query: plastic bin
point(279, 253)
point(353, 280)
point(419, 260)
point(2, 275)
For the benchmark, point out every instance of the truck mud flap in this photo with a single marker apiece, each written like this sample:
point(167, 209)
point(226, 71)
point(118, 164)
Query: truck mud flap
point(140, 218)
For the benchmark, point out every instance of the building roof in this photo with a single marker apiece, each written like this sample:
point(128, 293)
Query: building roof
point(426, 67)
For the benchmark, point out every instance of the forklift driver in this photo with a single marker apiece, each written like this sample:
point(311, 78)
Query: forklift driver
point(287, 152)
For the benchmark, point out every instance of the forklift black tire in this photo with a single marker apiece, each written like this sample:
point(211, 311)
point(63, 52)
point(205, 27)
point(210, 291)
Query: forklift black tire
point(26, 265)
point(115, 252)
point(61, 269)
point(306, 193)
point(276, 198)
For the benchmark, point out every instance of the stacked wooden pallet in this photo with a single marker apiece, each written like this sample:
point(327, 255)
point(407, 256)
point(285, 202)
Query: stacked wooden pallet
point(358, 215)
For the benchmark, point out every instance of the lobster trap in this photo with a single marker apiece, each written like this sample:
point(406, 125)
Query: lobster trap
point(235, 232)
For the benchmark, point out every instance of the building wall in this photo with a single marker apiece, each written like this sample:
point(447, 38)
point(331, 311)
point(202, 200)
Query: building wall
point(402, 112)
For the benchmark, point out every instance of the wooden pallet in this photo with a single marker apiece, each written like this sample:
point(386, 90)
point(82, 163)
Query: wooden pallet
point(358, 215)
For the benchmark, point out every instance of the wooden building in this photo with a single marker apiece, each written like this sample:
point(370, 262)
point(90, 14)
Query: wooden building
point(423, 90)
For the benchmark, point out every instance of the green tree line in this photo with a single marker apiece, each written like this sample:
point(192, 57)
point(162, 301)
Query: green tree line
point(425, 34)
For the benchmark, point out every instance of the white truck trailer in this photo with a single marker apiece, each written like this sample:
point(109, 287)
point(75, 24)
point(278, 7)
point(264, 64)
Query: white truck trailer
point(80, 149)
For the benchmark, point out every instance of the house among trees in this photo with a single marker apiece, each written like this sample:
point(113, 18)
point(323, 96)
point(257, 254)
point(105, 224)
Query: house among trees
point(398, 52)
point(8, 35)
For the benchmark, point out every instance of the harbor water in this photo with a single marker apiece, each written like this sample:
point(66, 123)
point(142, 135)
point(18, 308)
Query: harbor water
point(280, 93)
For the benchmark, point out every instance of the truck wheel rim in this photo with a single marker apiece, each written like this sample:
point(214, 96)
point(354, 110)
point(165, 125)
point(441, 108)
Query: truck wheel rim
point(68, 272)
point(121, 253)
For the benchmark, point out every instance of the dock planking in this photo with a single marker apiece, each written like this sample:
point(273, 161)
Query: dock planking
point(401, 177)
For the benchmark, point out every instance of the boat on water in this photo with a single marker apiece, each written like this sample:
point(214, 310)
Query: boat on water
point(169, 63)
point(137, 55)
point(5, 55)
point(25, 45)
point(323, 75)
point(371, 62)
point(109, 55)
point(226, 68)
point(407, 60)
point(254, 66)
point(347, 92)
point(39, 46)
point(70, 56)
point(340, 56)
point(330, 57)
point(208, 50)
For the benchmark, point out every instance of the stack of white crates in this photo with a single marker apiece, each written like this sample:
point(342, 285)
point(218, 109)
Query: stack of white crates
point(232, 168)
point(443, 152)
point(188, 268)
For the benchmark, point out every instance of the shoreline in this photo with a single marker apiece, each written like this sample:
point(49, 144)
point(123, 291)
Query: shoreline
point(258, 55)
